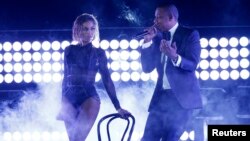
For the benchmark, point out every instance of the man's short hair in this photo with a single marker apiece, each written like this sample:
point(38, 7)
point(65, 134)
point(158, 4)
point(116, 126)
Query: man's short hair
point(170, 8)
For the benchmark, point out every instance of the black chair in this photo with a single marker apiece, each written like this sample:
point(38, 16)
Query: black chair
point(111, 117)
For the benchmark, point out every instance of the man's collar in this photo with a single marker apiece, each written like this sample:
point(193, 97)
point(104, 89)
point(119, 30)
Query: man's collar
point(173, 29)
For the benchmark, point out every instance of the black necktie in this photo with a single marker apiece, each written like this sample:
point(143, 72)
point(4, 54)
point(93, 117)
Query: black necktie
point(166, 35)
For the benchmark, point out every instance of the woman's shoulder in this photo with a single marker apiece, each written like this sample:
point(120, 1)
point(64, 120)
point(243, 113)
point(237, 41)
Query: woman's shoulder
point(98, 49)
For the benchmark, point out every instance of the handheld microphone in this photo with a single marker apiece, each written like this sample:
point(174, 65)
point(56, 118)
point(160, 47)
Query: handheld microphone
point(140, 35)
point(144, 33)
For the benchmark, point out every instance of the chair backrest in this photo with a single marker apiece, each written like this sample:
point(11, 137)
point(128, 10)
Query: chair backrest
point(111, 117)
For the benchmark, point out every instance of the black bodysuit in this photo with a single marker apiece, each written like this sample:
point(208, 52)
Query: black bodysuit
point(81, 64)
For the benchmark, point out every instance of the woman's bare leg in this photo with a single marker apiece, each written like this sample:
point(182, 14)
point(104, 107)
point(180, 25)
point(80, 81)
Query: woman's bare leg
point(69, 117)
point(86, 118)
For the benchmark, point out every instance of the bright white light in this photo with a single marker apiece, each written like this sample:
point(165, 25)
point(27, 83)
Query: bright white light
point(46, 56)
point(154, 75)
point(104, 44)
point(214, 75)
point(124, 44)
point(145, 76)
point(17, 136)
point(37, 67)
point(27, 136)
point(7, 136)
point(197, 74)
point(135, 65)
point(36, 136)
point(74, 43)
point(55, 45)
point(18, 67)
point(47, 77)
point(204, 42)
point(46, 45)
point(234, 74)
point(7, 57)
point(125, 76)
point(27, 67)
point(244, 41)
point(135, 76)
point(1, 68)
point(8, 78)
point(8, 67)
point(107, 54)
point(244, 52)
point(1, 78)
point(56, 67)
point(244, 74)
point(62, 66)
point(124, 55)
point(134, 44)
point(114, 44)
point(214, 53)
point(17, 56)
point(134, 55)
point(224, 64)
point(224, 75)
point(192, 135)
point(234, 64)
point(234, 52)
point(115, 76)
point(114, 55)
point(213, 42)
point(56, 56)
point(27, 77)
point(46, 67)
point(17, 46)
point(204, 53)
point(204, 75)
point(37, 77)
point(141, 42)
point(233, 42)
point(62, 55)
point(46, 136)
point(244, 63)
point(98, 77)
point(124, 65)
point(26, 56)
point(184, 136)
point(214, 64)
point(18, 78)
point(36, 56)
point(57, 77)
point(65, 44)
point(96, 43)
point(7, 46)
point(224, 53)
point(223, 42)
point(26, 46)
point(64, 136)
point(115, 65)
point(55, 136)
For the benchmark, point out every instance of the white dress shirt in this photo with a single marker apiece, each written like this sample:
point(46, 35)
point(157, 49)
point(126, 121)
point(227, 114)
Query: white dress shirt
point(164, 57)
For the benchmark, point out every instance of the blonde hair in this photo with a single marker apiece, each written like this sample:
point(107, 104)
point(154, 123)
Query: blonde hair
point(78, 27)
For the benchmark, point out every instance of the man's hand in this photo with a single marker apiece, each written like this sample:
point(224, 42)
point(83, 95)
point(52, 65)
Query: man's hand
point(151, 34)
point(168, 49)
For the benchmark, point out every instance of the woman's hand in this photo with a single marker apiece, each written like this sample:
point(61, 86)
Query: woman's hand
point(124, 113)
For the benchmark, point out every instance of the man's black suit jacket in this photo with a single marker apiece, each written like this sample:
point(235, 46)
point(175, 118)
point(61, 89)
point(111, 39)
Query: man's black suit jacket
point(182, 79)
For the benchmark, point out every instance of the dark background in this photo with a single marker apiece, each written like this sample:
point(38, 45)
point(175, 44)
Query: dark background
point(60, 14)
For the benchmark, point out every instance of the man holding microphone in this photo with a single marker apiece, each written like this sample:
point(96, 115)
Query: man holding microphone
point(174, 51)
